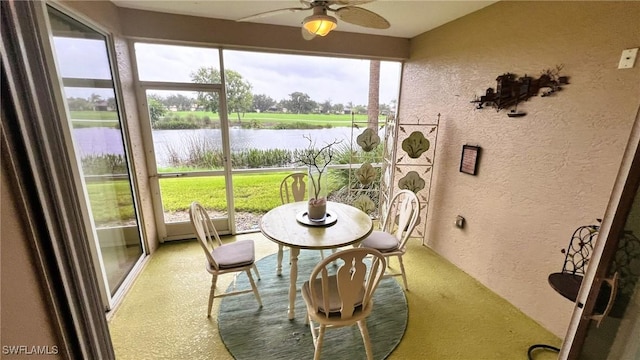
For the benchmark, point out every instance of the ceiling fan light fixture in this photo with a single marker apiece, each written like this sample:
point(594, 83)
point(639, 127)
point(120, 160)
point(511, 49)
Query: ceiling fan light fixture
point(319, 24)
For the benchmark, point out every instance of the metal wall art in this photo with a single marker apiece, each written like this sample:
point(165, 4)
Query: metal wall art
point(368, 140)
point(512, 90)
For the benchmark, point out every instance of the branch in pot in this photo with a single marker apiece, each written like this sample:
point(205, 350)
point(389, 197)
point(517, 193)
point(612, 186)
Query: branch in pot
point(317, 159)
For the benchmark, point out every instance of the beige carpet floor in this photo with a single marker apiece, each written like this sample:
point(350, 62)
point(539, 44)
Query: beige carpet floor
point(451, 315)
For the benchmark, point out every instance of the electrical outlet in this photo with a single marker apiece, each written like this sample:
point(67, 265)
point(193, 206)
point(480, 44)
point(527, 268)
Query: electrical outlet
point(628, 58)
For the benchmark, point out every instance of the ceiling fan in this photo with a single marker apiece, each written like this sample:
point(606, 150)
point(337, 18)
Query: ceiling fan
point(321, 24)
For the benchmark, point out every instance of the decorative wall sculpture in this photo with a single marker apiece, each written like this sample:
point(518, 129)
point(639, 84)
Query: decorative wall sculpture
point(412, 181)
point(512, 90)
point(415, 145)
point(368, 140)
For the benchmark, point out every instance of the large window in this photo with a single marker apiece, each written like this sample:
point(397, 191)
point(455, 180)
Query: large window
point(274, 104)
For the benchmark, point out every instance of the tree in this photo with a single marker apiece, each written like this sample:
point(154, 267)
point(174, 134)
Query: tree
point(156, 109)
point(338, 108)
point(239, 97)
point(349, 106)
point(300, 103)
point(262, 102)
point(79, 104)
point(359, 109)
point(181, 102)
point(207, 75)
point(385, 109)
point(111, 103)
point(282, 105)
point(316, 160)
point(95, 99)
point(325, 107)
point(373, 108)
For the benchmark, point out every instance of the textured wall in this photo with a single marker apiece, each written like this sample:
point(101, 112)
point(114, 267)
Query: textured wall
point(542, 175)
point(104, 13)
point(22, 287)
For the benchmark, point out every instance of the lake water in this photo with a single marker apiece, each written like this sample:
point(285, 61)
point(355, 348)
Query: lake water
point(93, 141)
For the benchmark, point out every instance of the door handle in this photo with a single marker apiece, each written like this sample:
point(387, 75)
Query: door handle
point(167, 175)
point(613, 283)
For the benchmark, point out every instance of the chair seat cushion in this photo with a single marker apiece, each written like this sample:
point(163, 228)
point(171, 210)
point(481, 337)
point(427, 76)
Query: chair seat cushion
point(335, 304)
point(381, 241)
point(235, 254)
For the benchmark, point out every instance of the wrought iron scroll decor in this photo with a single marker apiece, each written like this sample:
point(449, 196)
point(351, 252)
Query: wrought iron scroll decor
point(625, 262)
point(578, 253)
point(511, 90)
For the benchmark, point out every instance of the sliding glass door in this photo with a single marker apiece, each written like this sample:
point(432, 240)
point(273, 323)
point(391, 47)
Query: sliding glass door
point(99, 143)
point(186, 135)
point(189, 159)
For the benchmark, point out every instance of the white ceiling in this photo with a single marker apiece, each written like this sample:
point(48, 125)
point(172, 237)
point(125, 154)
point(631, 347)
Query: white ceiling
point(407, 18)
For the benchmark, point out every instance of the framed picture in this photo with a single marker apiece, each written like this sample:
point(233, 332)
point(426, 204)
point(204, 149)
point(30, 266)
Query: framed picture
point(469, 160)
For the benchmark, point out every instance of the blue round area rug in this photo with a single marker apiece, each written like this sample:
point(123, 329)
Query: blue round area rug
point(251, 333)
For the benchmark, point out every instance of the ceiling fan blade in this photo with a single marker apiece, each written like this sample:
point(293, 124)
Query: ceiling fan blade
point(307, 35)
point(272, 13)
point(362, 17)
point(349, 2)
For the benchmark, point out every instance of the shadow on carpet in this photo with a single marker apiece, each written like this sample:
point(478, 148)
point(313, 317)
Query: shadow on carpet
point(252, 333)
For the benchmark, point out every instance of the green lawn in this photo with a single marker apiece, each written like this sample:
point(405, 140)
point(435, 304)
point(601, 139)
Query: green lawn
point(85, 119)
point(271, 118)
point(94, 115)
point(109, 117)
point(256, 193)
point(110, 200)
point(274, 116)
point(253, 192)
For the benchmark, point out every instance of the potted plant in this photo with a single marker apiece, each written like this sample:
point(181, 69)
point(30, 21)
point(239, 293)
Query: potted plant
point(316, 160)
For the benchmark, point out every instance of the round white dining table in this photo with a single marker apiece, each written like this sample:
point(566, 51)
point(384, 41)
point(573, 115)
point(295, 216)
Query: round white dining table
point(282, 225)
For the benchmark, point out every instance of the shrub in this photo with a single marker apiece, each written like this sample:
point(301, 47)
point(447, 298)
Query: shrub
point(176, 122)
point(201, 152)
point(346, 181)
point(104, 164)
point(255, 158)
point(298, 125)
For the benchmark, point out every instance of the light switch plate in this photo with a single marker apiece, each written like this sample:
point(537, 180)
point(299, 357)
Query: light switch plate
point(628, 58)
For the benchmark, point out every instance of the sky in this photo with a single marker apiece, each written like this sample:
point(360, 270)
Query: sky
point(338, 80)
